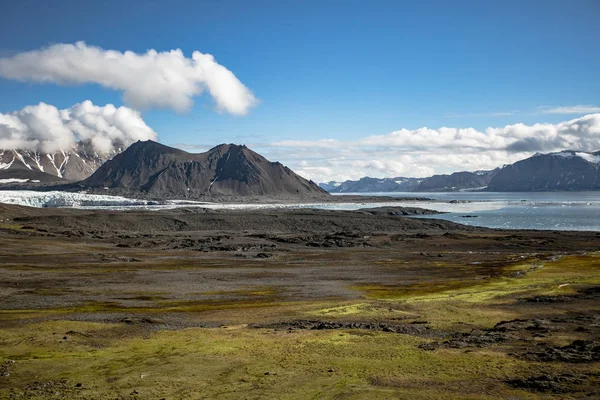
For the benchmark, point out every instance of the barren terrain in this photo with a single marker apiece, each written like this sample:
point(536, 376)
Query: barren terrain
point(193, 303)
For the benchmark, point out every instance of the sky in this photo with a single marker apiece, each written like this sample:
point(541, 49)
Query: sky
point(335, 90)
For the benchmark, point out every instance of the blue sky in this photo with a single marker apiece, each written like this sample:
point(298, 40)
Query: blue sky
point(341, 70)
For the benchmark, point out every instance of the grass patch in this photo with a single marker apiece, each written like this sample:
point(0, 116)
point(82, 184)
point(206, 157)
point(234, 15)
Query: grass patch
point(547, 277)
point(252, 363)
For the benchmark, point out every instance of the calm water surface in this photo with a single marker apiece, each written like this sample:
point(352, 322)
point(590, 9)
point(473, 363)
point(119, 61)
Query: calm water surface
point(540, 210)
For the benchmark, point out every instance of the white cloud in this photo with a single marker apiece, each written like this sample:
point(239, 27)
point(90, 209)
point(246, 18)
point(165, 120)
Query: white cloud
point(345, 169)
point(47, 129)
point(581, 109)
point(153, 79)
point(423, 152)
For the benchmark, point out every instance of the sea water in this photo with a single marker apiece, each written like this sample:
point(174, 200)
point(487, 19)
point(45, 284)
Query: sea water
point(579, 211)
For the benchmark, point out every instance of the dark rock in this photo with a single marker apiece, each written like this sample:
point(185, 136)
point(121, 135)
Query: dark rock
point(152, 169)
point(264, 255)
point(326, 325)
point(549, 383)
point(579, 351)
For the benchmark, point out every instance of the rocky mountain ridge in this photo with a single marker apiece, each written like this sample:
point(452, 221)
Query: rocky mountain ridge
point(567, 170)
point(32, 166)
point(150, 169)
point(436, 183)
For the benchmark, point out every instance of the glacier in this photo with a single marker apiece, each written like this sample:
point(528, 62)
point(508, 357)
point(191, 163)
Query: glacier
point(65, 199)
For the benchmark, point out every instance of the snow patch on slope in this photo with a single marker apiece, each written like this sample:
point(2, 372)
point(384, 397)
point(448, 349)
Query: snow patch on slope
point(589, 157)
point(20, 156)
point(6, 165)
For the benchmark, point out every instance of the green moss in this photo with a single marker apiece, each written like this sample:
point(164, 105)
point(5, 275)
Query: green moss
point(111, 360)
point(221, 363)
point(546, 277)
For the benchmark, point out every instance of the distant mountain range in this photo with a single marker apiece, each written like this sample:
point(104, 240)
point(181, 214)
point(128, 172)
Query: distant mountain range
point(561, 171)
point(436, 183)
point(151, 169)
point(32, 166)
point(155, 170)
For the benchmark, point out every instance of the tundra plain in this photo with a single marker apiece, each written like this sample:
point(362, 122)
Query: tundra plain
point(293, 304)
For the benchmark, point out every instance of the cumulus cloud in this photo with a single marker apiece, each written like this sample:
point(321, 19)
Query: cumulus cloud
point(425, 151)
point(153, 79)
point(581, 109)
point(47, 129)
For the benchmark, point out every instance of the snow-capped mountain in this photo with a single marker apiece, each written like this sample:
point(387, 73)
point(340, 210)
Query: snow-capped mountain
point(31, 166)
point(564, 170)
point(593, 158)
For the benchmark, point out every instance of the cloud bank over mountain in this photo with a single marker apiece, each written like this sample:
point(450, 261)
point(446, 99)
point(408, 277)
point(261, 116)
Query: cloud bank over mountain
point(423, 152)
point(45, 128)
point(154, 79)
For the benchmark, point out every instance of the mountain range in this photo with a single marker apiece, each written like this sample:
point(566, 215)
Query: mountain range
point(32, 166)
point(567, 170)
point(436, 183)
point(229, 171)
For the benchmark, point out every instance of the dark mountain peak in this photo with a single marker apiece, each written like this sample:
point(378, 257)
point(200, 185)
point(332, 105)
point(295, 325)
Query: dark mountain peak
point(234, 150)
point(225, 147)
point(150, 146)
point(563, 170)
point(225, 170)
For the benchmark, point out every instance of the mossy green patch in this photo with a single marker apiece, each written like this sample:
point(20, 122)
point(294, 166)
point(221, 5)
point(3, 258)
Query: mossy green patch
point(253, 363)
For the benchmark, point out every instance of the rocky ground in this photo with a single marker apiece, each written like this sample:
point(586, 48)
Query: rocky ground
point(194, 303)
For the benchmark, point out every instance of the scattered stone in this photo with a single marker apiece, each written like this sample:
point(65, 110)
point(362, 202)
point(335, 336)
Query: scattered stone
point(139, 321)
point(578, 351)
point(546, 299)
point(264, 255)
point(409, 329)
point(475, 338)
point(5, 368)
point(516, 325)
point(549, 383)
point(59, 389)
